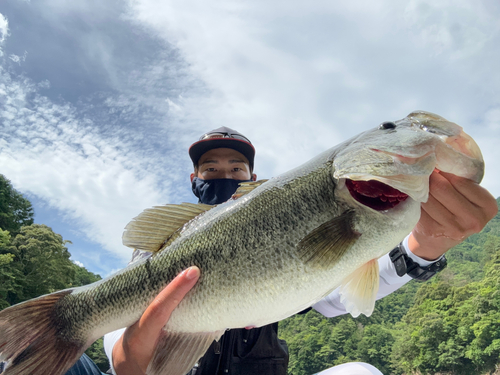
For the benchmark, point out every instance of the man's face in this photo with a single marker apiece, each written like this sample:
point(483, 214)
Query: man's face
point(223, 163)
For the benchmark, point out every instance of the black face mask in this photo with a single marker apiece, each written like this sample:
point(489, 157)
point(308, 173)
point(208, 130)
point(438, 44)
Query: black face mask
point(215, 191)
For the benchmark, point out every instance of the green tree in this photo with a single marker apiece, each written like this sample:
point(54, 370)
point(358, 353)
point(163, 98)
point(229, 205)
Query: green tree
point(376, 346)
point(83, 276)
point(41, 263)
point(8, 282)
point(484, 348)
point(97, 354)
point(15, 210)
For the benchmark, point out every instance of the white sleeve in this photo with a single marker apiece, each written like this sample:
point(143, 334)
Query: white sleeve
point(111, 338)
point(331, 306)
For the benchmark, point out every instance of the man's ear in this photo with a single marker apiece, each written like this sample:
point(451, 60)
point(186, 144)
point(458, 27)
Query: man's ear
point(191, 176)
point(254, 177)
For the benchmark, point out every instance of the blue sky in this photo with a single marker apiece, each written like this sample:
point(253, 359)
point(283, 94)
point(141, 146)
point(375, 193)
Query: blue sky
point(99, 101)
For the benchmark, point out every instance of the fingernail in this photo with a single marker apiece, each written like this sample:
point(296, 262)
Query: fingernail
point(192, 273)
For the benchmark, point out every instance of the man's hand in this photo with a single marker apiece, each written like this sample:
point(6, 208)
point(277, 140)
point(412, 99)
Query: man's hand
point(457, 208)
point(134, 350)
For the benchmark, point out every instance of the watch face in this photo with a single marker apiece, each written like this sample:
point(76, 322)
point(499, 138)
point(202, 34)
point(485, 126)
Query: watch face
point(399, 261)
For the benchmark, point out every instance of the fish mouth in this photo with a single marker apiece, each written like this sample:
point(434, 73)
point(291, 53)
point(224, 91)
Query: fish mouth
point(375, 194)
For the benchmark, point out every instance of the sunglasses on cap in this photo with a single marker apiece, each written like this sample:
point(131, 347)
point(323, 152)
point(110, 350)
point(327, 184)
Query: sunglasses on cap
point(225, 135)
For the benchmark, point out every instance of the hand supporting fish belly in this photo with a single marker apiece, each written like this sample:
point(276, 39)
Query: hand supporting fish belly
point(135, 348)
point(276, 250)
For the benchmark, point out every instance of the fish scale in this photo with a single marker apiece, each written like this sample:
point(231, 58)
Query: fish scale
point(278, 248)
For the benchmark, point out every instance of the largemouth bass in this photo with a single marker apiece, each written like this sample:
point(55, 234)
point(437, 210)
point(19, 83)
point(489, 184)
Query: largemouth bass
point(277, 249)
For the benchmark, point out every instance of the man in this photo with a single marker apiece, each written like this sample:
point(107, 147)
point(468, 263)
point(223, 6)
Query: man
point(222, 159)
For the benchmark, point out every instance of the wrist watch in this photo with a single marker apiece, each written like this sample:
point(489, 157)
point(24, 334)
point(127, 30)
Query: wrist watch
point(405, 265)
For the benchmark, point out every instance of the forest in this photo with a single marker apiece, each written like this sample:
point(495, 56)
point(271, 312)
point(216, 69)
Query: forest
point(448, 325)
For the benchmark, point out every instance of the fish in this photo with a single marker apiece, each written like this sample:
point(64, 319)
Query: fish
point(274, 249)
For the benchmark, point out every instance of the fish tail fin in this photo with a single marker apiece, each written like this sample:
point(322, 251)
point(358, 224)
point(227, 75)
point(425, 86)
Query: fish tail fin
point(359, 290)
point(31, 339)
point(176, 353)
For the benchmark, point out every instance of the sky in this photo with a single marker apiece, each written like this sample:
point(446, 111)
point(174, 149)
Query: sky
point(100, 100)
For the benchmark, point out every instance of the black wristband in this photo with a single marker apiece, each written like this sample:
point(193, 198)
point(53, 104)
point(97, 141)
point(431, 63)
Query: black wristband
point(405, 265)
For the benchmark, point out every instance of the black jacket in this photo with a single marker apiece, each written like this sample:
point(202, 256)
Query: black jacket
point(256, 351)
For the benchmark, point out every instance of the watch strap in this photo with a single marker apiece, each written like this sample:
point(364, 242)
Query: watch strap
point(405, 265)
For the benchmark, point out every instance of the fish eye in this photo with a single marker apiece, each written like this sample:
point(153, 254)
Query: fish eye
point(387, 125)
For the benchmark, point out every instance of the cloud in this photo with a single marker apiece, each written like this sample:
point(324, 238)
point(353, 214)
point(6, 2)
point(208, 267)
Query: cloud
point(487, 135)
point(51, 152)
point(4, 28)
point(299, 77)
point(460, 28)
point(99, 154)
point(18, 59)
point(492, 120)
point(4, 31)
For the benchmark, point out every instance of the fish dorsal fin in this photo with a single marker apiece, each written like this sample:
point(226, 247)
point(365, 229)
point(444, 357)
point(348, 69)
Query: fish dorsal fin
point(154, 226)
point(326, 244)
point(359, 290)
point(247, 187)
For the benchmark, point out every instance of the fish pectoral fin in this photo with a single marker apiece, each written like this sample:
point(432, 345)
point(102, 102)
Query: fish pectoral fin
point(177, 352)
point(326, 244)
point(246, 187)
point(359, 290)
point(154, 226)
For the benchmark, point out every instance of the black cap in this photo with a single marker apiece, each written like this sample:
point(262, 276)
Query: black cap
point(222, 138)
